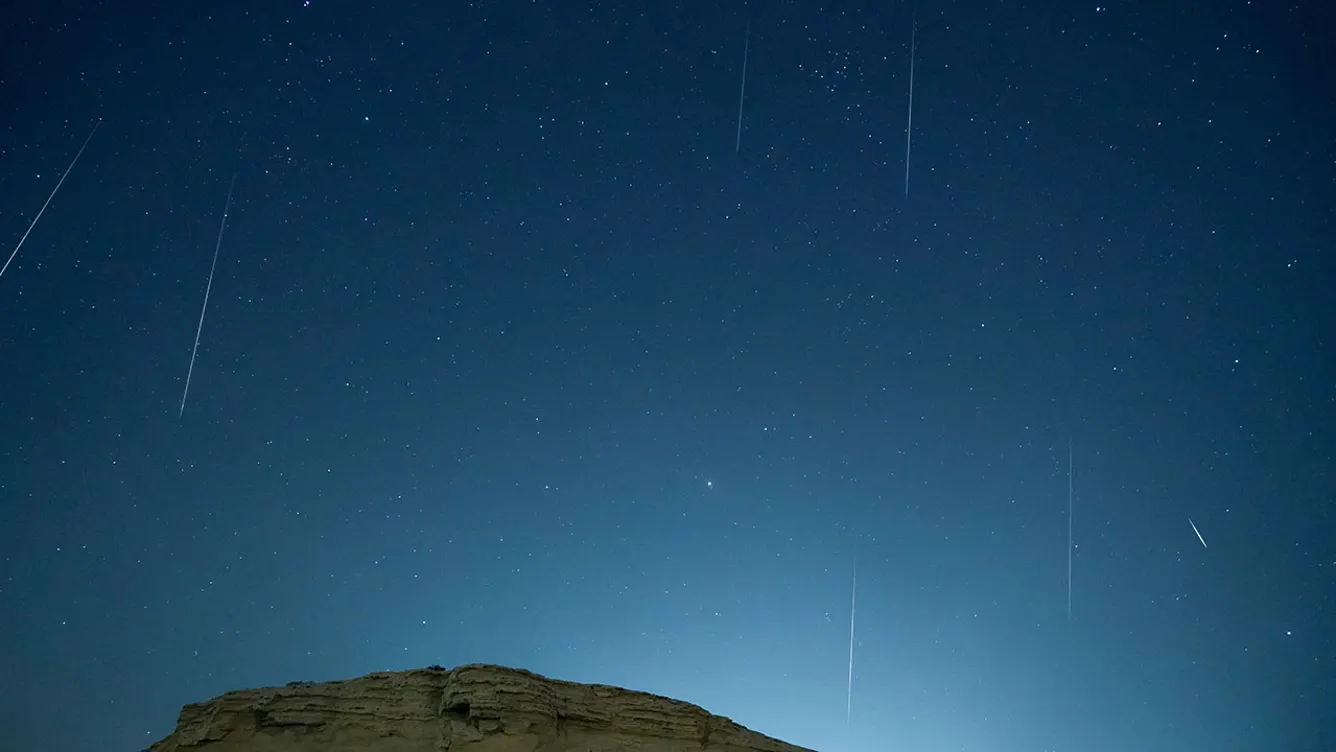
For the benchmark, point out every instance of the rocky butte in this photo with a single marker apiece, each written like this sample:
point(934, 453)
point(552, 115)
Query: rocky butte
point(478, 708)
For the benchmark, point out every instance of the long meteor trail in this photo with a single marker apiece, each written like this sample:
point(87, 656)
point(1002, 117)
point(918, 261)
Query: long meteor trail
point(48, 198)
point(1069, 529)
point(222, 225)
point(742, 95)
point(909, 123)
point(853, 604)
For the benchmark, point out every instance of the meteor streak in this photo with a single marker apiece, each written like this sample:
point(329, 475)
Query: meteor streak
point(742, 94)
point(909, 123)
point(1198, 532)
point(222, 225)
point(42, 211)
point(853, 603)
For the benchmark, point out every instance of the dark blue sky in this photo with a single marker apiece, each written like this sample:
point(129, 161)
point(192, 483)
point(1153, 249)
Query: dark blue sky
point(515, 354)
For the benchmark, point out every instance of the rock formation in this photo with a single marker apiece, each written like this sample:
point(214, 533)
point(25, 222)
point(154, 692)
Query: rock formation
point(477, 708)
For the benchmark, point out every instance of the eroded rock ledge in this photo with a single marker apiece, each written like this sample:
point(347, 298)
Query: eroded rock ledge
point(479, 708)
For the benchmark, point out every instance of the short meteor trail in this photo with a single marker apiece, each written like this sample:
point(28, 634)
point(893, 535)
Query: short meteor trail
point(217, 245)
point(48, 198)
point(1198, 532)
point(909, 125)
point(853, 603)
point(742, 95)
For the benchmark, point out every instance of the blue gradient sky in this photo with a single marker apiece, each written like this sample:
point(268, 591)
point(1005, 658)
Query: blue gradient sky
point(514, 355)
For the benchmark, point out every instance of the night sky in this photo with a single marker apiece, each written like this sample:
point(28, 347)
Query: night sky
point(518, 351)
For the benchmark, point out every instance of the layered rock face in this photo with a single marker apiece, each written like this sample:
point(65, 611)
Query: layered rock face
point(477, 708)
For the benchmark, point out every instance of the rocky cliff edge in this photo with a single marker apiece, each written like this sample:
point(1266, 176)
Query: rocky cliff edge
point(478, 708)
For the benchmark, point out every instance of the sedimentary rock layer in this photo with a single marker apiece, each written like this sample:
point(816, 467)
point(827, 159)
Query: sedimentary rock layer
point(478, 708)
